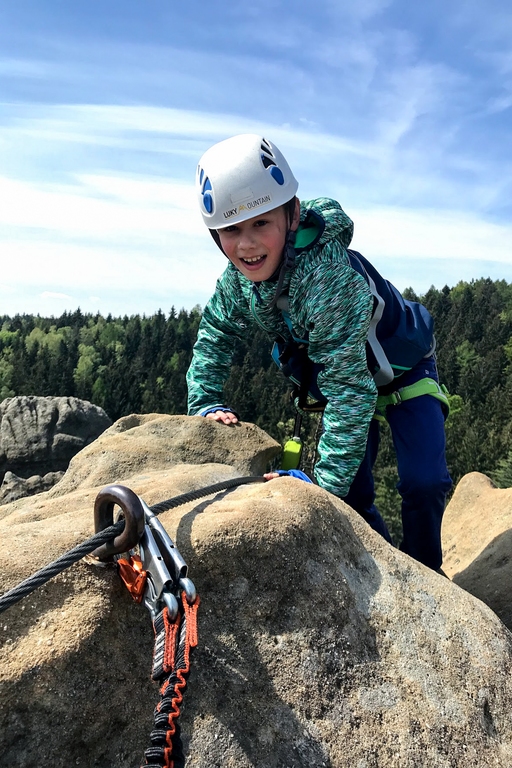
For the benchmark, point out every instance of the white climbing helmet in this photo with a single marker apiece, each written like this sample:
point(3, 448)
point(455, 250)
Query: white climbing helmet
point(242, 177)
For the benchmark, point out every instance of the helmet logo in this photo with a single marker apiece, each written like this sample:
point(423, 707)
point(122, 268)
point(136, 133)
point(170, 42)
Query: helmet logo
point(206, 191)
point(247, 206)
point(268, 160)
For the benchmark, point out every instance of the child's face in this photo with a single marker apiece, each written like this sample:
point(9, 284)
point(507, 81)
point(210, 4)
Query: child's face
point(255, 246)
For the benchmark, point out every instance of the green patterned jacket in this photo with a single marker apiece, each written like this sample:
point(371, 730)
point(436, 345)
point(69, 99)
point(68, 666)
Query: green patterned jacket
point(329, 300)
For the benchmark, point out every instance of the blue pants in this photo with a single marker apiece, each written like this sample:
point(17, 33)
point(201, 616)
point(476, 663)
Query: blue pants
point(417, 429)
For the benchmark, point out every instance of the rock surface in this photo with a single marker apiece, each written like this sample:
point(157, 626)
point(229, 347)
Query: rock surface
point(40, 435)
point(319, 644)
point(14, 487)
point(477, 542)
point(157, 441)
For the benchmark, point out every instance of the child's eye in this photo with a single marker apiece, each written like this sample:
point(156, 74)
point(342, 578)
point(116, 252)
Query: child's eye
point(260, 223)
point(231, 228)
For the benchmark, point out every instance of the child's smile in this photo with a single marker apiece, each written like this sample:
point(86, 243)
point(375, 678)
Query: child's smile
point(255, 246)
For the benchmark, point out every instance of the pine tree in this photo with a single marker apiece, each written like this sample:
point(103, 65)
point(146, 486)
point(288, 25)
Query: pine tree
point(502, 475)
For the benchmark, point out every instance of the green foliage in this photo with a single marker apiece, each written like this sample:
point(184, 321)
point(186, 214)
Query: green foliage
point(507, 348)
point(467, 357)
point(6, 374)
point(502, 475)
point(125, 365)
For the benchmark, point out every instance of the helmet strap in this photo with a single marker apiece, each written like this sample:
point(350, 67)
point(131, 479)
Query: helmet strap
point(287, 263)
point(215, 235)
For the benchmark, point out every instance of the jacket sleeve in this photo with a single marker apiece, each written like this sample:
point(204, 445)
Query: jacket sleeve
point(335, 305)
point(220, 327)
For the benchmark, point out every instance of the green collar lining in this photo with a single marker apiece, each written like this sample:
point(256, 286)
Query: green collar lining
point(309, 231)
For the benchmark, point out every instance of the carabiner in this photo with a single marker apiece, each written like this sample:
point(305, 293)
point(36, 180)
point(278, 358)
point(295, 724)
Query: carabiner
point(160, 585)
point(175, 563)
point(167, 571)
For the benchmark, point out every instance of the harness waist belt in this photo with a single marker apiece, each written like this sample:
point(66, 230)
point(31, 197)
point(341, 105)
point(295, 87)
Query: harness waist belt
point(425, 386)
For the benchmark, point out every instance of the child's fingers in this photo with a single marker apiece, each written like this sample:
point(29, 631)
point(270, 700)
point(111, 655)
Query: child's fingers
point(225, 416)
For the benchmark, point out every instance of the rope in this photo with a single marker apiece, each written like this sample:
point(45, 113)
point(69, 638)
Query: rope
point(14, 595)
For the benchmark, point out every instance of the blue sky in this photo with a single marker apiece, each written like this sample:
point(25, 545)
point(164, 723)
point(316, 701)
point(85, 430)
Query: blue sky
point(400, 110)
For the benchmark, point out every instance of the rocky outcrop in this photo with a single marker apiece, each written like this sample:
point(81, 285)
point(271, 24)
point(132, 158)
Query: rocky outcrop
point(14, 487)
point(319, 644)
point(39, 436)
point(477, 541)
point(157, 441)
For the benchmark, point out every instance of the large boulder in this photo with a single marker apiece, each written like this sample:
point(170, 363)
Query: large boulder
point(40, 435)
point(319, 644)
point(477, 542)
point(158, 441)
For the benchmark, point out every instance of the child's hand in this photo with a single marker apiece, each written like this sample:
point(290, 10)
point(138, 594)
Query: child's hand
point(225, 416)
point(290, 472)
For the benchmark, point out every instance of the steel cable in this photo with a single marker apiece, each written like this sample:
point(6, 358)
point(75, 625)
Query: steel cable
point(46, 573)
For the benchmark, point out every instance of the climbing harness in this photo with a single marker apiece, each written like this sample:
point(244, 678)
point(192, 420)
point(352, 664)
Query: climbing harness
point(156, 576)
point(293, 448)
point(426, 386)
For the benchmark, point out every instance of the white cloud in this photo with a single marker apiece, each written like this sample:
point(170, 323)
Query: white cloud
point(97, 198)
point(101, 207)
point(423, 234)
point(55, 295)
point(433, 247)
point(135, 239)
point(115, 266)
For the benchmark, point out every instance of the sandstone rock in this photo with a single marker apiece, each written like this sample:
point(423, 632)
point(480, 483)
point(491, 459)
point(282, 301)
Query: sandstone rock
point(477, 541)
point(319, 644)
point(39, 435)
point(157, 441)
point(14, 487)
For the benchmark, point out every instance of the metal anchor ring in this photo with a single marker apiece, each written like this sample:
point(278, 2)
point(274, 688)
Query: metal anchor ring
point(133, 513)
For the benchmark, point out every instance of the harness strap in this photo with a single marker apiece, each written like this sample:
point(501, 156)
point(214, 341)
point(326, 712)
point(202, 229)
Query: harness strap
point(425, 386)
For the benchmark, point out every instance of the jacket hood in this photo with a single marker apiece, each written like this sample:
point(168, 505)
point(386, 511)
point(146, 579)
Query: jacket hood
point(322, 220)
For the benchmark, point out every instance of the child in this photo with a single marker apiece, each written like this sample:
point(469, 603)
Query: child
point(341, 330)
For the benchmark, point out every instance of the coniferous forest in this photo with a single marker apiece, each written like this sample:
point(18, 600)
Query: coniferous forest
point(137, 364)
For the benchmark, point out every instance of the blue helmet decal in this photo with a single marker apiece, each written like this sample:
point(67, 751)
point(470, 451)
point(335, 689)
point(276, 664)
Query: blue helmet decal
point(277, 174)
point(206, 191)
point(268, 160)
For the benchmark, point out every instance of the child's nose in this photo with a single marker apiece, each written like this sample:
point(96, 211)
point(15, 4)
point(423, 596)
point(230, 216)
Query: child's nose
point(246, 240)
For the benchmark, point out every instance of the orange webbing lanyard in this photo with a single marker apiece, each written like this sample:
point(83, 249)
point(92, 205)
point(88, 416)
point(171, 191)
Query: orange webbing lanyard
point(174, 640)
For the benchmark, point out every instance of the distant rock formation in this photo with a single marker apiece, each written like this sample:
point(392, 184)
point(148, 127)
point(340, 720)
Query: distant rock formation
point(14, 487)
point(38, 438)
point(477, 540)
point(319, 643)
